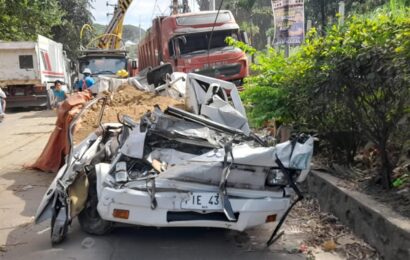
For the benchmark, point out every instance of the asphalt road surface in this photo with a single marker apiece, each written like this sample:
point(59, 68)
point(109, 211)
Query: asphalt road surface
point(22, 138)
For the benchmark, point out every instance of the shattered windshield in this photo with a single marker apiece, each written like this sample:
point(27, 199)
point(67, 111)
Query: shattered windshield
point(103, 65)
point(198, 42)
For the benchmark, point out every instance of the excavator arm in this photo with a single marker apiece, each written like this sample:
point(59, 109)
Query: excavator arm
point(113, 33)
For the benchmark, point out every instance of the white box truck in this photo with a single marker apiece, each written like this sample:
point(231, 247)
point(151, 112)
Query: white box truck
point(29, 69)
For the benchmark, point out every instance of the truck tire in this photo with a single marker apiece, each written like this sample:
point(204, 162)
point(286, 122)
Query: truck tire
point(89, 218)
point(50, 98)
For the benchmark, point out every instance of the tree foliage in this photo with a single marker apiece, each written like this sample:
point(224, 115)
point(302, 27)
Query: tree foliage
point(75, 13)
point(22, 20)
point(61, 20)
point(356, 80)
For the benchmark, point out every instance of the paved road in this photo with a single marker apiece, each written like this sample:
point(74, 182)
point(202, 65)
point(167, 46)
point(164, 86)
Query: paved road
point(22, 137)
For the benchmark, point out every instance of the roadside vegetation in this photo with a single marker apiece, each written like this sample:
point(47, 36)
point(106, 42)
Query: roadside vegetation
point(350, 84)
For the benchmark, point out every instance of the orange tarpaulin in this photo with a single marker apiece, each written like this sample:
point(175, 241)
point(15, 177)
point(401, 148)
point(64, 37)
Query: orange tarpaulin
point(52, 157)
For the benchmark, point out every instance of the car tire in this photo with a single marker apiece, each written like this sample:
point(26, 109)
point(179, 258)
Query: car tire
point(89, 218)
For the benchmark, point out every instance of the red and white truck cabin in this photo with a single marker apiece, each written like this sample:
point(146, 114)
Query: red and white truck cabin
point(183, 39)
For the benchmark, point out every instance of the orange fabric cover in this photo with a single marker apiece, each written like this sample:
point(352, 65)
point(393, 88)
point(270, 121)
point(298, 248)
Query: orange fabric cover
point(52, 157)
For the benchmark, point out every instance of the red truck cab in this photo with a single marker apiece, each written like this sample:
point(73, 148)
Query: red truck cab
point(183, 39)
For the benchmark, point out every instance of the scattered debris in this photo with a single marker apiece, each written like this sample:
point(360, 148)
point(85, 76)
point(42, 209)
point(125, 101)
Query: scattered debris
point(303, 248)
point(27, 187)
point(329, 245)
point(3, 248)
point(28, 222)
point(326, 233)
point(87, 243)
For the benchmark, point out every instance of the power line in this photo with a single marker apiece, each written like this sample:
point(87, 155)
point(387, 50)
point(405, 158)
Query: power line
point(162, 12)
point(153, 10)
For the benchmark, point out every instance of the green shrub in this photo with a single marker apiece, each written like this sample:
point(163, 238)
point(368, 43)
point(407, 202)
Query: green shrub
point(355, 80)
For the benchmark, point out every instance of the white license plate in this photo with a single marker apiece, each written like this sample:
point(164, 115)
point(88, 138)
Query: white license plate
point(202, 200)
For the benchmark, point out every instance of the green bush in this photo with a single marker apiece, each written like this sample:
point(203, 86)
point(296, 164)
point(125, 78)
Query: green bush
point(355, 80)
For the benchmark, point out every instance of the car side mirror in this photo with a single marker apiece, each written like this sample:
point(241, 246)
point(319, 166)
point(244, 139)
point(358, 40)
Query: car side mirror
point(134, 65)
point(244, 37)
point(157, 75)
point(182, 39)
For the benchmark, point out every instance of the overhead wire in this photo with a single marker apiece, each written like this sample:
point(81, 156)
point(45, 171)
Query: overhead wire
point(153, 10)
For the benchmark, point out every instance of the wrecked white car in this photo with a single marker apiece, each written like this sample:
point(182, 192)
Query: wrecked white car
point(175, 168)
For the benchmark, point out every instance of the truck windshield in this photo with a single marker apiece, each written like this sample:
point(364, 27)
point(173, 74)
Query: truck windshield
point(103, 65)
point(198, 42)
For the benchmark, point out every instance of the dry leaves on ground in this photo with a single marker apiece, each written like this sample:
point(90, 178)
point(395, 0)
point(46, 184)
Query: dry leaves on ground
point(327, 233)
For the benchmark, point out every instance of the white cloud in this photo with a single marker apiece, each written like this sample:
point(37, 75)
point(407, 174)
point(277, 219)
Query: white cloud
point(140, 11)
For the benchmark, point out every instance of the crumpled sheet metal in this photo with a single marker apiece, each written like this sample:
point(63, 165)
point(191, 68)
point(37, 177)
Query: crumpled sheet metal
point(205, 96)
point(297, 158)
point(172, 126)
point(243, 154)
point(208, 97)
point(210, 173)
point(134, 145)
point(170, 156)
point(222, 112)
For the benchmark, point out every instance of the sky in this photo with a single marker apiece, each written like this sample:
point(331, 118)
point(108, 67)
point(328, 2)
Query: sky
point(140, 10)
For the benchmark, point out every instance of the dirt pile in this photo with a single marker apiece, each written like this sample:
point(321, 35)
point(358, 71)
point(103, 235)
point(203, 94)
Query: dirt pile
point(127, 100)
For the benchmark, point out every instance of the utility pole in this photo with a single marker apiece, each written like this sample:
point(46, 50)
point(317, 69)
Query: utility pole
point(341, 12)
point(286, 22)
point(211, 5)
point(185, 6)
point(174, 6)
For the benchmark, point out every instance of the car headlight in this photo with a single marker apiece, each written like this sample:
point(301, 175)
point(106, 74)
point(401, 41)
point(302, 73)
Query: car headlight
point(121, 175)
point(276, 177)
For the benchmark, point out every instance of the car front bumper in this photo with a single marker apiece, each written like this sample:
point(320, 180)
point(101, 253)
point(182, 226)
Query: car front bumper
point(249, 211)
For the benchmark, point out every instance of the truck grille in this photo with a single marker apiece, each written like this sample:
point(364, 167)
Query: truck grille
point(227, 70)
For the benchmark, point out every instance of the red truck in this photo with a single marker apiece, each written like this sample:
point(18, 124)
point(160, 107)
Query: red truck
point(182, 40)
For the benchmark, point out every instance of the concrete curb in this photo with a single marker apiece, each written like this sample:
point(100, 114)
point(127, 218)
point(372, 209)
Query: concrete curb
point(377, 224)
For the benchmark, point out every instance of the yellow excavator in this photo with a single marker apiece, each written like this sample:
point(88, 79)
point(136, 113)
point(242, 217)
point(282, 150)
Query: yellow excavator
point(105, 54)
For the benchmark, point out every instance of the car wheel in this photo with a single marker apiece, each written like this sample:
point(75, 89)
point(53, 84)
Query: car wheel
point(89, 218)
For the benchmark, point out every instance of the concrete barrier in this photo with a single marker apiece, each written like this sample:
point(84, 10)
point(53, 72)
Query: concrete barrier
point(377, 224)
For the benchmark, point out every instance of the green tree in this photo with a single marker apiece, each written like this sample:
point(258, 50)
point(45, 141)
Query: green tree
point(22, 20)
point(76, 13)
